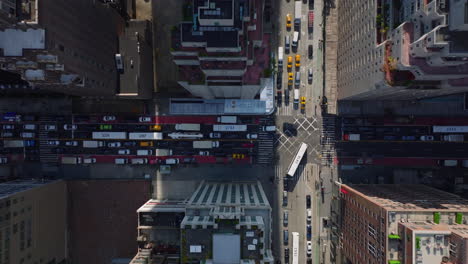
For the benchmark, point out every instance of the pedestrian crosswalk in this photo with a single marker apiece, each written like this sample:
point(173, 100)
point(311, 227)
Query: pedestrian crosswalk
point(327, 140)
point(286, 110)
point(265, 148)
point(300, 175)
point(45, 150)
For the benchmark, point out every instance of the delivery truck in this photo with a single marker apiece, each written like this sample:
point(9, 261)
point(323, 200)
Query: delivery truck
point(205, 144)
point(163, 152)
point(146, 136)
point(109, 135)
point(13, 143)
point(92, 144)
point(297, 13)
point(229, 128)
point(280, 58)
point(187, 127)
point(71, 160)
point(227, 119)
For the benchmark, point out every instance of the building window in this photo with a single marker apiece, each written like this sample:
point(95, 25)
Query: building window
point(61, 47)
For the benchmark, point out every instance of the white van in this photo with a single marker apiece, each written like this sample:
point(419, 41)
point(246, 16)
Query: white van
point(121, 161)
point(280, 58)
point(268, 128)
point(172, 161)
point(139, 161)
point(29, 127)
point(89, 160)
point(144, 152)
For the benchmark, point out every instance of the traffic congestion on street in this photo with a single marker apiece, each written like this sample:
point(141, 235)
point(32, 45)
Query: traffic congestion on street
point(132, 139)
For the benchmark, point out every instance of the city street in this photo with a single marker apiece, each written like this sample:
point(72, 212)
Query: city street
point(296, 125)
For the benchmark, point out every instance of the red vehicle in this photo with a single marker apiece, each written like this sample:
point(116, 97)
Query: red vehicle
point(311, 18)
point(248, 145)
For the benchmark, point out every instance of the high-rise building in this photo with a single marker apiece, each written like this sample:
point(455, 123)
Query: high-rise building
point(33, 222)
point(403, 49)
point(219, 223)
point(63, 47)
point(221, 50)
point(399, 224)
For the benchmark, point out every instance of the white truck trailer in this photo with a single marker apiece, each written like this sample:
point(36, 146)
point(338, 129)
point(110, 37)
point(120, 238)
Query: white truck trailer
point(205, 144)
point(297, 13)
point(229, 128)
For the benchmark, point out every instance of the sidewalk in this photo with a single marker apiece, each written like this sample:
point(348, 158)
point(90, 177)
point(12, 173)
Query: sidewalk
point(331, 44)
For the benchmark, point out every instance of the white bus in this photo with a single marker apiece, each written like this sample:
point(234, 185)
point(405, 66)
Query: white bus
point(295, 248)
point(297, 159)
point(450, 129)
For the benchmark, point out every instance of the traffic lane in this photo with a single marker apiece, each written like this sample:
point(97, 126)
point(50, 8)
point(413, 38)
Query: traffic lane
point(401, 149)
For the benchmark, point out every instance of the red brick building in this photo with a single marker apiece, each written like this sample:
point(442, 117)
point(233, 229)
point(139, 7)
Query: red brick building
point(402, 224)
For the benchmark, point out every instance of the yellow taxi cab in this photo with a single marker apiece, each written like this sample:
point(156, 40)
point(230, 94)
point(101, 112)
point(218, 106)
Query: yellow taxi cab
point(288, 21)
point(146, 144)
point(155, 127)
point(303, 102)
point(238, 156)
point(290, 78)
point(298, 60)
point(290, 61)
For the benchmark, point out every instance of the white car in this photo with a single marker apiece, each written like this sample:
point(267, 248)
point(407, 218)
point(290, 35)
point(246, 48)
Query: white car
point(124, 151)
point(50, 127)
point(114, 144)
point(71, 143)
point(309, 248)
point(204, 153)
point(309, 216)
point(53, 142)
point(108, 118)
point(69, 127)
point(252, 136)
point(8, 127)
point(144, 119)
point(427, 138)
point(215, 135)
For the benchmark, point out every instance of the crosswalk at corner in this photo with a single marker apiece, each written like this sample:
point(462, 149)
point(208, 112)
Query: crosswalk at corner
point(301, 173)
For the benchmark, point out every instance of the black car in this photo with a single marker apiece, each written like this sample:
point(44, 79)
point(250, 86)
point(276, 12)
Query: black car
point(308, 203)
point(286, 256)
point(163, 144)
point(285, 184)
point(230, 136)
point(129, 143)
point(286, 96)
point(279, 98)
point(279, 81)
point(311, 52)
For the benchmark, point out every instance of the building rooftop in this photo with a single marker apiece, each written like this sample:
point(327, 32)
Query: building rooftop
point(410, 197)
point(217, 9)
point(14, 41)
point(12, 187)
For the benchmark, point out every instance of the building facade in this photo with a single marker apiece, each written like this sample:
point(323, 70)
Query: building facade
point(402, 224)
point(61, 47)
point(221, 50)
point(405, 49)
point(33, 222)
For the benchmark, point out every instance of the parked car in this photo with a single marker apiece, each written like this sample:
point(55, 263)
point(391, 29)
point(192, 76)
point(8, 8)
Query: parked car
point(311, 52)
point(308, 202)
point(309, 232)
point(123, 151)
point(309, 216)
point(230, 136)
point(310, 76)
point(286, 256)
point(29, 127)
point(108, 118)
point(427, 138)
point(71, 143)
point(8, 127)
point(252, 136)
point(69, 127)
point(50, 127)
point(285, 218)
point(238, 156)
point(408, 138)
point(204, 153)
point(309, 248)
point(155, 127)
point(215, 135)
point(389, 137)
point(7, 134)
point(144, 119)
point(285, 237)
point(285, 198)
point(248, 145)
point(129, 143)
point(53, 142)
point(114, 144)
